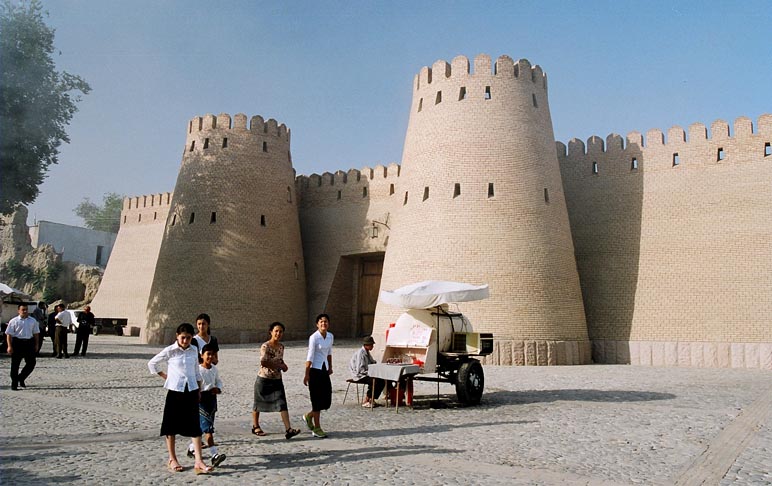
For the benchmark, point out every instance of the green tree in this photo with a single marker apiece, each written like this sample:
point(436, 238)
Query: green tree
point(106, 217)
point(36, 102)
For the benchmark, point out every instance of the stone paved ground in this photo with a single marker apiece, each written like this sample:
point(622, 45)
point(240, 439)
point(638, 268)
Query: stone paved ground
point(95, 420)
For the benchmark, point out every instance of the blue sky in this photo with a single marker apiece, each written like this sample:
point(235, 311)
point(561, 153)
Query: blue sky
point(339, 74)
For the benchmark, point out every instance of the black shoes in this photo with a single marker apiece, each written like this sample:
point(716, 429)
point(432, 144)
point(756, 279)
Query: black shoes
point(22, 384)
point(217, 459)
point(14, 386)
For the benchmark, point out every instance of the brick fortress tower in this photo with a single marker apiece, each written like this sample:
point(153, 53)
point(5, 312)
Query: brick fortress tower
point(232, 244)
point(481, 201)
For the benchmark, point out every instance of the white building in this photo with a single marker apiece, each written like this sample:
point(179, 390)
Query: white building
point(76, 244)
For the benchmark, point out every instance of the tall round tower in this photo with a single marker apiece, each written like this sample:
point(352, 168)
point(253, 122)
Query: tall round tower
point(481, 201)
point(232, 244)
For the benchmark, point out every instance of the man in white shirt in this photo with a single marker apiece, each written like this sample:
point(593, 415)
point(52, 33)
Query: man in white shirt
point(22, 337)
point(63, 323)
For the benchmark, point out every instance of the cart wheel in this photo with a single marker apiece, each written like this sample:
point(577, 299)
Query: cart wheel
point(470, 382)
point(95, 331)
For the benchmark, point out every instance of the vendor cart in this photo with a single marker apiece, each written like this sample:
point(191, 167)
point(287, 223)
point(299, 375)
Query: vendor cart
point(441, 343)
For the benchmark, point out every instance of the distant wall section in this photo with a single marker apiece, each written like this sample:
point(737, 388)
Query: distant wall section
point(76, 244)
point(673, 239)
point(126, 284)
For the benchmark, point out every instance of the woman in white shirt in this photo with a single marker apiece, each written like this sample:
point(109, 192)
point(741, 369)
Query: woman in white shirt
point(183, 382)
point(318, 371)
point(203, 322)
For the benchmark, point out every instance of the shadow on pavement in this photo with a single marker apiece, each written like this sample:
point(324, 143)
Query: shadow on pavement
point(573, 395)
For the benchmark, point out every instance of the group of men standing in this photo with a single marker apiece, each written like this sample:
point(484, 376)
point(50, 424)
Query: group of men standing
point(24, 337)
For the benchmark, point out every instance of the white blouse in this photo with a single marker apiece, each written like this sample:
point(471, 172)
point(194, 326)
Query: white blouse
point(318, 349)
point(182, 367)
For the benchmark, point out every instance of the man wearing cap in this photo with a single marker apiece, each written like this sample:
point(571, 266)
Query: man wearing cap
point(358, 367)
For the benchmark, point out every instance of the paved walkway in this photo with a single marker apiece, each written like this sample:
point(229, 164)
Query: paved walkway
point(95, 420)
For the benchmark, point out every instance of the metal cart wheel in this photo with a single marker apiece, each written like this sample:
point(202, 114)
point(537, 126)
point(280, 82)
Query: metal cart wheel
point(470, 382)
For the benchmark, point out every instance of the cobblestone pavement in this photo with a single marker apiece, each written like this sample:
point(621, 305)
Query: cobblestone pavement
point(95, 420)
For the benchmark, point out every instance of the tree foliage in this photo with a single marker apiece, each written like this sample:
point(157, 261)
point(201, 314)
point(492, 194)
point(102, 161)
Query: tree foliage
point(106, 217)
point(36, 102)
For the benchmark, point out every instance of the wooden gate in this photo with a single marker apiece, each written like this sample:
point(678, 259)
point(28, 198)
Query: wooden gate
point(370, 270)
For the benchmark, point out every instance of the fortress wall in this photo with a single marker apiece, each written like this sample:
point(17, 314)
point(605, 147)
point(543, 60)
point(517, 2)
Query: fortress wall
point(675, 260)
point(337, 215)
point(478, 159)
point(231, 246)
point(128, 277)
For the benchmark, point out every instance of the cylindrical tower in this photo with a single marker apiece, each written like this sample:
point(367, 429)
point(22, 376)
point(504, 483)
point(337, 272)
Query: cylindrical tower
point(232, 243)
point(481, 201)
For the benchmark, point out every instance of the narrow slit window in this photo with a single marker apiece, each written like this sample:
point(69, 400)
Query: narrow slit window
point(155, 215)
point(192, 145)
point(420, 104)
point(594, 167)
point(426, 193)
point(124, 220)
point(265, 146)
point(289, 194)
point(535, 103)
point(213, 218)
point(174, 220)
point(462, 93)
point(767, 149)
point(676, 160)
point(405, 201)
point(192, 218)
point(634, 164)
point(456, 190)
point(491, 193)
point(339, 195)
point(391, 189)
point(206, 143)
point(720, 154)
point(487, 92)
point(364, 192)
point(262, 220)
point(225, 142)
point(546, 195)
point(438, 99)
point(297, 271)
point(139, 218)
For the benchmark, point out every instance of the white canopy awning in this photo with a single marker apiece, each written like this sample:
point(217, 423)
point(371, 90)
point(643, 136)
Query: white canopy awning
point(431, 293)
point(10, 294)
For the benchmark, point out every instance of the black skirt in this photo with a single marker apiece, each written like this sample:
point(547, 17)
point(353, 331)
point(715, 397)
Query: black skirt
point(181, 414)
point(269, 395)
point(320, 389)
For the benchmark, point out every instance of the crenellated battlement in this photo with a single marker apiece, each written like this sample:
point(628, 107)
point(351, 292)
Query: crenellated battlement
point(677, 148)
point(223, 122)
point(352, 185)
point(459, 70)
point(148, 208)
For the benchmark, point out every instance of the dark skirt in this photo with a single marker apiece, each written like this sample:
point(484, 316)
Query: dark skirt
point(269, 395)
point(320, 389)
point(181, 414)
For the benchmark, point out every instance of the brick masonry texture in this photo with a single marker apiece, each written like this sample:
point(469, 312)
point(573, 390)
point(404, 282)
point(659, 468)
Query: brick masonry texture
point(608, 251)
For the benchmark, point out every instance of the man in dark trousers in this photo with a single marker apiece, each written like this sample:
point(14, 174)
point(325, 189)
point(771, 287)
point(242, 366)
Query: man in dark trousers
point(50, 329)
point(22, 336)
point(40, 315)
point(85, 323)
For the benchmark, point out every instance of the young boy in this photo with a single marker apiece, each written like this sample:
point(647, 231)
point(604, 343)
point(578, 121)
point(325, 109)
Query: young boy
point(211, 387)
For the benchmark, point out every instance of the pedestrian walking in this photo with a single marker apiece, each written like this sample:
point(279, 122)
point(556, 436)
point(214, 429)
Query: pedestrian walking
point(22, 335)
point(317, 376)
point(183, 384)
point(269, 386)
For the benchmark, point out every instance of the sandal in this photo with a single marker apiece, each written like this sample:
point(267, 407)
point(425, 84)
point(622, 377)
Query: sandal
point(291, 433)
point(258, 431)
point(176, 468)
point(203, 470)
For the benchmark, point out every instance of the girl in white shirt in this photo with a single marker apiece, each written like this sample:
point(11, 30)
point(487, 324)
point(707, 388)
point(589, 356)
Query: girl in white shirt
point(183, 382)
point(318, 371)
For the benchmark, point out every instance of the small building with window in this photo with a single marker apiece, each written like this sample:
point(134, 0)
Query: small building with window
point(74, 243)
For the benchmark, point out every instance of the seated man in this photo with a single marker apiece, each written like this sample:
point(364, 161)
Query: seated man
point(358, 367)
